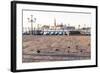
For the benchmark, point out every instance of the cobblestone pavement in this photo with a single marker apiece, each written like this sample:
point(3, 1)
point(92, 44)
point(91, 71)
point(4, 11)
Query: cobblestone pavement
point(37, 48)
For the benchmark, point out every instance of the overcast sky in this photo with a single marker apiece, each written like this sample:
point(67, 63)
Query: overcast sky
point(47, 18)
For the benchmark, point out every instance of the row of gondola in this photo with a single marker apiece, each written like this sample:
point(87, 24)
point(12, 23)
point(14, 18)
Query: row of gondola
point(39, 32)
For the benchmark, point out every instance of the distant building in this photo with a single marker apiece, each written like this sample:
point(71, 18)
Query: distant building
point(70, 28)
point(45, 27)
point(59, 27)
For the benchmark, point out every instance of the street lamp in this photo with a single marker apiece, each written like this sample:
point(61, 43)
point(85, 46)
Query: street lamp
point(31, 20)
point(78, 27)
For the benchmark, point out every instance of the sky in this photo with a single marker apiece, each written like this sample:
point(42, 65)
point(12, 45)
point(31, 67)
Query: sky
point(47, 18)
